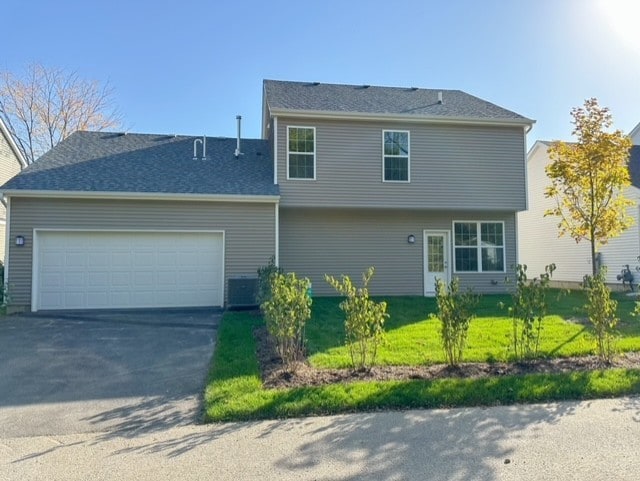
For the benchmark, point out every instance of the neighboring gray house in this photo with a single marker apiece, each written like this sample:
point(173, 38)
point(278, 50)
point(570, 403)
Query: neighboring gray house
point(418, 183)
point(11, 162)
point(539, 241)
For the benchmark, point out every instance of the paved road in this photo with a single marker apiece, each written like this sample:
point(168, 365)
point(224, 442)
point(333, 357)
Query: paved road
point(597, 440)
point(69, 373)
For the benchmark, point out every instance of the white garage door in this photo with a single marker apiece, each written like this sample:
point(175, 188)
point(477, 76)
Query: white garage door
point(87, 270)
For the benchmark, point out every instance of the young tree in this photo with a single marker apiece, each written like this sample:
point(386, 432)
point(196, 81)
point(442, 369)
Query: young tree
point(588, 178)
point(45, 105)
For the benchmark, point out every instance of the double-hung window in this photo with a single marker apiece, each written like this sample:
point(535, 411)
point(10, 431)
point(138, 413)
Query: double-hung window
point(478, 246)
point(301, 153)
point(395, 156)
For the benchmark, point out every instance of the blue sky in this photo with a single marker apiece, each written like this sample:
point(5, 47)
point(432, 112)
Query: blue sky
point(190, 67)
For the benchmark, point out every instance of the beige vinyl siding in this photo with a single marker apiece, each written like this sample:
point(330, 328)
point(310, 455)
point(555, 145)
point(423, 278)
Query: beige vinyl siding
point(318, 241)
point(3, 229)
point(625, 248)
point(538, 235)
point(249, 229)
point(9, 167)
point(453, 167)
point(540, 244)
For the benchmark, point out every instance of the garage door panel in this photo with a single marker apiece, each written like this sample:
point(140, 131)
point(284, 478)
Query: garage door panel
point(73, 280)
point(128, 269)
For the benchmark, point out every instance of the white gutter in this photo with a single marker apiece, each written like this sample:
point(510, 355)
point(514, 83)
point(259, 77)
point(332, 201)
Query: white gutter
point(141, 196)
point(401, 118)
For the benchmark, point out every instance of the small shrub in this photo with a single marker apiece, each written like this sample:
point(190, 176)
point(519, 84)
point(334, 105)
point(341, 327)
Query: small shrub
point(265, 274)
point(601, 310)
point(364, 319)
point(528, 308)
point(455, 314)
point(286, 313)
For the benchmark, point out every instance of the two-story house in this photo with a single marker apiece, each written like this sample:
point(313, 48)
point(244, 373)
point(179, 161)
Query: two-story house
point(541, 245)
point(417, 183)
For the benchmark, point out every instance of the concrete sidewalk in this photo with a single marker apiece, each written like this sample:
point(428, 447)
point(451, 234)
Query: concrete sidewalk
point(593, 440)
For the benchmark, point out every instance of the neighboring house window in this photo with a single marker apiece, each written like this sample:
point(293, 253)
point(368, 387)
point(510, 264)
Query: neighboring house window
point(301, 152)
point(478, 246)
point(395, 154)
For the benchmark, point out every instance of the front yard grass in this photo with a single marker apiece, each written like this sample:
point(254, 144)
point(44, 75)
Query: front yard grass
point(234, 389)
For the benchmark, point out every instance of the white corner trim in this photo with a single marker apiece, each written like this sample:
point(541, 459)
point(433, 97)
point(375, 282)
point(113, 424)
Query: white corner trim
point(277, 222)
point(275, 150)
point(64, 194)
point(7, 241)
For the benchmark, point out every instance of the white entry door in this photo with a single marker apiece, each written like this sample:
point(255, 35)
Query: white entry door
point(436, 259)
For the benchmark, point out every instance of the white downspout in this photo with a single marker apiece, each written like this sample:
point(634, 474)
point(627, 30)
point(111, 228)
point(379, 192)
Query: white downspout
point(275, 150)
point(277, 219)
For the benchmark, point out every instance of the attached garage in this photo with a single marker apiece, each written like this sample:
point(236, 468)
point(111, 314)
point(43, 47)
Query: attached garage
point(115, 221)
point(100, 269)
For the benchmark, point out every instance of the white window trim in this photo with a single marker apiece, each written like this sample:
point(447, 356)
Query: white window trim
point(479, 246)
point(398, 156)
point(315, 153)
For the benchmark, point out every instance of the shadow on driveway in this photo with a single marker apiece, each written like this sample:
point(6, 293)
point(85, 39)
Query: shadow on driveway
point(74, 371)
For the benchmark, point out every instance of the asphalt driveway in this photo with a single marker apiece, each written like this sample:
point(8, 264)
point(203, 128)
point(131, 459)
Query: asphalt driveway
point(125, 371)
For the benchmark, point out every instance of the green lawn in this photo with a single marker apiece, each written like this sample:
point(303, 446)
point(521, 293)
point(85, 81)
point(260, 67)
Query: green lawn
point(234, 390)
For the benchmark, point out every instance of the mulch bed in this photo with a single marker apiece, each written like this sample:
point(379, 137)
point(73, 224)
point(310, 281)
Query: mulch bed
point(274, 375)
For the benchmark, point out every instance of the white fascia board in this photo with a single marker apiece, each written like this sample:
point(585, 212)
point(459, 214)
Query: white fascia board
point(12, 144)
point(635, 134)
point(319, 114)
point(63, 194)
point(537, 145)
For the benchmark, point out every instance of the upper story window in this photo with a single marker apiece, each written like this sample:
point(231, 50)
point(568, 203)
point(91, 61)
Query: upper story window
point(478, 246)
point(395, 155)
point(301, 153)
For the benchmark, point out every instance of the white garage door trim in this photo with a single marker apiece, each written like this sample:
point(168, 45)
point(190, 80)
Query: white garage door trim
point(35, 295)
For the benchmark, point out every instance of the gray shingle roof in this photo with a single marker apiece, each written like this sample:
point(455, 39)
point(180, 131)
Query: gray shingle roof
point(413, 102)
point(114, 162)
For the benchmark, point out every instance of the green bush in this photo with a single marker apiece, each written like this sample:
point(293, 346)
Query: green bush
point(286, 313)
point(601, 310)
point(364, 319)
point(265, 274)
point(455, 314)
point(528, 308)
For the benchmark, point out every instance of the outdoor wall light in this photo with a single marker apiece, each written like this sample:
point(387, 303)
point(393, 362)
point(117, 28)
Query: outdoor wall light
point(411, 239)
point(19, 240)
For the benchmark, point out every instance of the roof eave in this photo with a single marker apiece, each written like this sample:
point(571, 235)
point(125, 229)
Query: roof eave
point(523, 122)
point(69, 194)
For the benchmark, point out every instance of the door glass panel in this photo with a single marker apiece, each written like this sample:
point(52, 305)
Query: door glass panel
point(435, 262)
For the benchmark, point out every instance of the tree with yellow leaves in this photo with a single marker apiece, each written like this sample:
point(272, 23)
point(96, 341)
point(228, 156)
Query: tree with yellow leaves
point(588, 179)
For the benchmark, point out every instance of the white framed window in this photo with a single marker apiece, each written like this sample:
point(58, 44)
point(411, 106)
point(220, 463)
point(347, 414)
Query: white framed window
point(395, 156)
point(301, 152)
point(478, 246)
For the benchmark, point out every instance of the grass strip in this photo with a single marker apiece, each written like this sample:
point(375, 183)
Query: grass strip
point(234, 390)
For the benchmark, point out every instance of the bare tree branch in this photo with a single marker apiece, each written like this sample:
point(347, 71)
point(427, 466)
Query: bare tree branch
point(46, 105)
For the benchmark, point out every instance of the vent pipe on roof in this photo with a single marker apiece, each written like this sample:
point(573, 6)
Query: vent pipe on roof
point(238, 153)
point(440, 97)
point(195, 147)
point(202, 141)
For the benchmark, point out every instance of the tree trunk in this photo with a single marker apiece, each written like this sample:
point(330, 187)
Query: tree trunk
point(594, 267)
